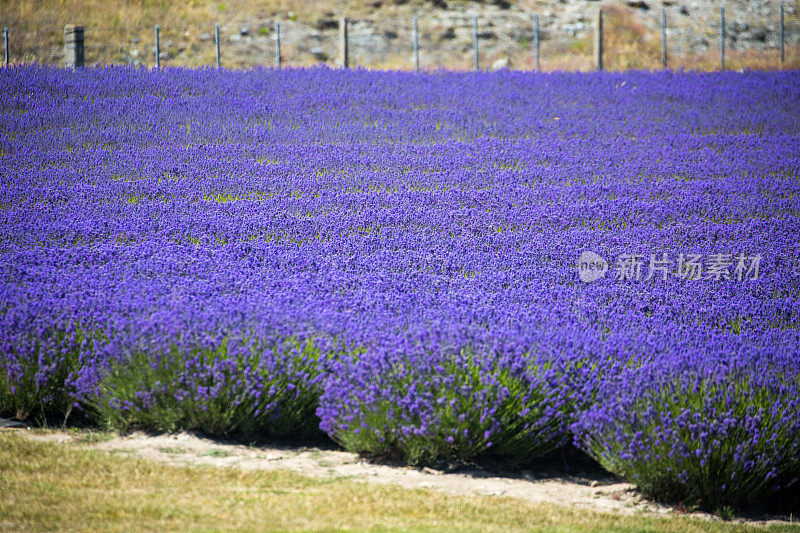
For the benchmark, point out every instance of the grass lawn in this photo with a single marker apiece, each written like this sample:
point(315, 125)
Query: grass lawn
point(50, 486)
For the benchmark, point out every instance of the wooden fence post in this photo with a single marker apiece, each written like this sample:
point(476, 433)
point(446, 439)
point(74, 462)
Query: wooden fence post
point(278, 44)
point(722, 38)
point(663, 37)
point(598, 40)
point(216, 41)
point(783, 57)
point(158, 50)
point(343, 44)
point(73, 45)
point(536, 40)
point(416, 45)
point(475, 39)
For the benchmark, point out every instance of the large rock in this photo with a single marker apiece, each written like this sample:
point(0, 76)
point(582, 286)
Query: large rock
point(326, 24)
point(502, 63)
point(319, 54)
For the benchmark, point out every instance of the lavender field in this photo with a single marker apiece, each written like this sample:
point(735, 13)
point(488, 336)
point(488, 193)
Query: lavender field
point(393, 260)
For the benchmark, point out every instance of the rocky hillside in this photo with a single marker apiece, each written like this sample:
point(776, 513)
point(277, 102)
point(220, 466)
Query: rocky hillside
point(119, 31)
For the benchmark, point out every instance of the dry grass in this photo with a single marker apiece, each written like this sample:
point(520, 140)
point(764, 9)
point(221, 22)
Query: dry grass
point(56, 487)
point(115, 27)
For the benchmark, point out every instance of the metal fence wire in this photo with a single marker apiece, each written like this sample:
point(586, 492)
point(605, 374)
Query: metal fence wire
point(632, 37)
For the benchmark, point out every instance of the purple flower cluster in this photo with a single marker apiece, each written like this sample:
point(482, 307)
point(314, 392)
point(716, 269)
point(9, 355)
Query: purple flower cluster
point(250, 388)
point(721, 431)
point(427, 407)
point(231, 250)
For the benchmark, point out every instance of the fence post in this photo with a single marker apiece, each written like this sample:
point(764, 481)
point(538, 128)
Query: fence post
point(722, 38)
point(416, 45)
point(663, 37)
point(5, 42)
point(216, 41)
point(278, 44)
point(73, 45)
point(536, 40)
point(343, 44)
point(475, 39)
point(598, 40)
point(158, 50)
point(782, 55)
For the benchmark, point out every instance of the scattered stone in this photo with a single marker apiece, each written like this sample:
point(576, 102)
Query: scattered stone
point(432, 471)
point(738, 26)
point(319, 54)
point(572, 29)
point(638, 4)
point(502, 63)
point(326, 24)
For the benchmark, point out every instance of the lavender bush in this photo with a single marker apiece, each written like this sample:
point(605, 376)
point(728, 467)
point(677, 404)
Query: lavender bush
point(429, 408)
point(709, 432)
point(244, 389)
point(47, 372)
point(393, 219)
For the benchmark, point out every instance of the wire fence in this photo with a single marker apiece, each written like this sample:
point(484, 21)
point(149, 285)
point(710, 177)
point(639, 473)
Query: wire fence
point(632, 38)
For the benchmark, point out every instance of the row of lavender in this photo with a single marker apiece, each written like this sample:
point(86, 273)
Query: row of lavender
point(392, 259)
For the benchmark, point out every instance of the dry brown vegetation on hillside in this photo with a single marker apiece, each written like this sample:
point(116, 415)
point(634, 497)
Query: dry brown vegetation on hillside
point(122, 32)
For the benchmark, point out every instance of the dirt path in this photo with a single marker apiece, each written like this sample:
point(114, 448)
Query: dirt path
point(186, 449)
point(601, 495)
